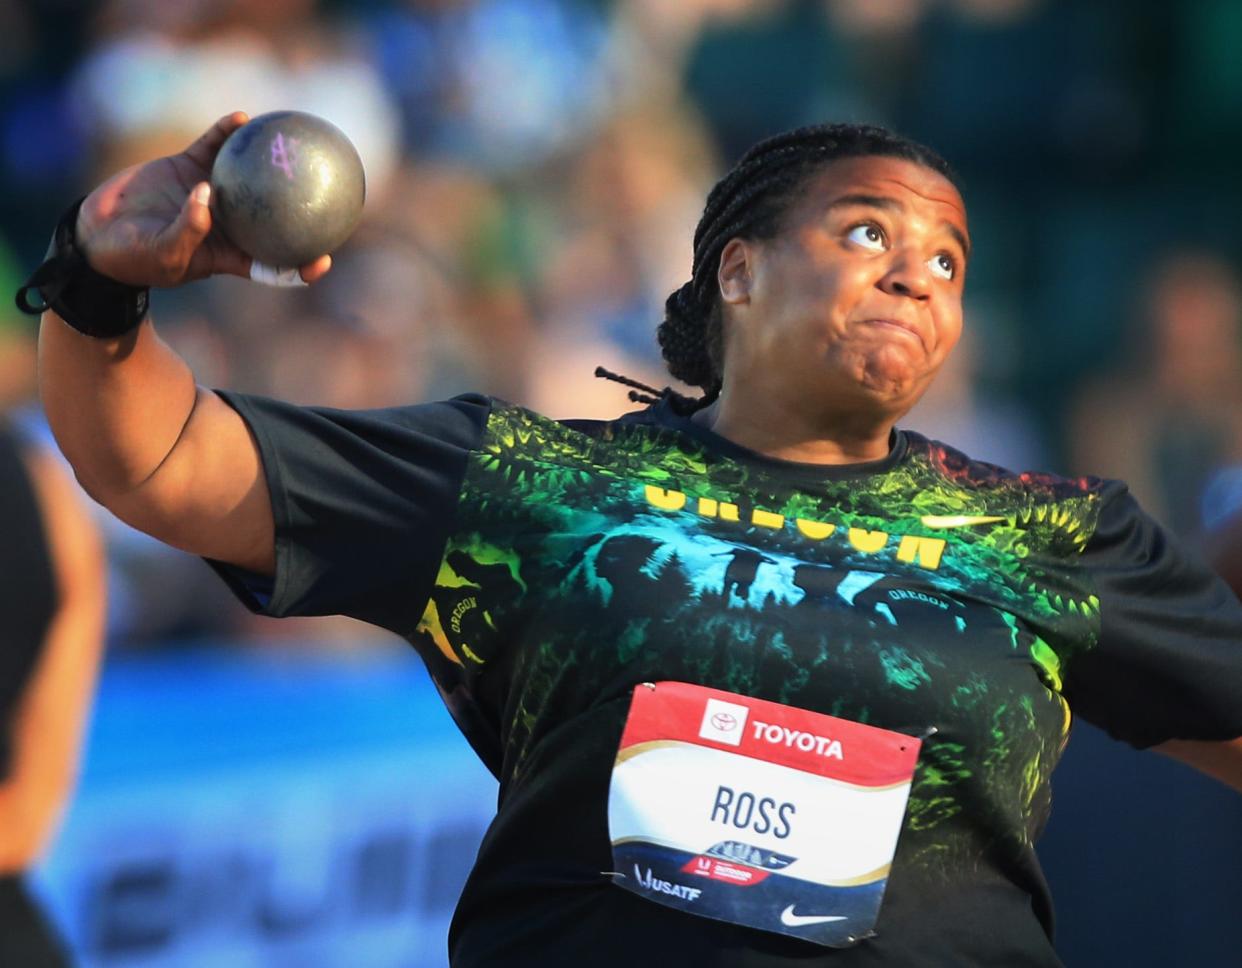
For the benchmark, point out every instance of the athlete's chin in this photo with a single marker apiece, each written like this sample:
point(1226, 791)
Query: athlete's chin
point(891, 376)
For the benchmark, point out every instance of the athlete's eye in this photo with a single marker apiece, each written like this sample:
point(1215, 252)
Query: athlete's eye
point(942, 265)
point(869, 236)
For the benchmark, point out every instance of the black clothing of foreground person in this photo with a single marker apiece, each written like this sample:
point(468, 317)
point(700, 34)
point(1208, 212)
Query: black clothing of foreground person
point(765, 680)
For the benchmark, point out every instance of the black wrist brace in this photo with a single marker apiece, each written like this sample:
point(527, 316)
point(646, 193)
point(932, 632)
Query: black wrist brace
point(89, 302)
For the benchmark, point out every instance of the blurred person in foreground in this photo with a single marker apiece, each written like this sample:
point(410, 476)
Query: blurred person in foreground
point(766, 680)
point(52, 591)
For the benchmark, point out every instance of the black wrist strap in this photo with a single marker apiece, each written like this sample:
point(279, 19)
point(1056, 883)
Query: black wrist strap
point(89, 302)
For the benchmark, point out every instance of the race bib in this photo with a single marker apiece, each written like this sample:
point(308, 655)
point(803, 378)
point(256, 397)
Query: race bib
point(756, 813)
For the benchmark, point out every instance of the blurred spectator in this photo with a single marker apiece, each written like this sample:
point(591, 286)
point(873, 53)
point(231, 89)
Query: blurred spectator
point(769, 65)
point(1174, 416)
point(633, 196)
point(497, 84)
point(164, 72)
point(989, 427)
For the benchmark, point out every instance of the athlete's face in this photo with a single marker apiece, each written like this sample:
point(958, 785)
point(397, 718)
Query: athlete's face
point(858, 299)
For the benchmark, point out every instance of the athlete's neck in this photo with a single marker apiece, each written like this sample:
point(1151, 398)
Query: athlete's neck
point(777, 432)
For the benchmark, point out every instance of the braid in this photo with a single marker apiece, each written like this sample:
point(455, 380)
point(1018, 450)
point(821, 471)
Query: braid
point(749, 202)
point(683, 338)
point(641, 393)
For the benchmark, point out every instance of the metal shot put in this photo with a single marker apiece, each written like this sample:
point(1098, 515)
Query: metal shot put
point(287, 187)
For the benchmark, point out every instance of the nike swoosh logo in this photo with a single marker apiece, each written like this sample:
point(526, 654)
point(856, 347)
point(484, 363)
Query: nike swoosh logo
point(957, 520)
point(792, 920)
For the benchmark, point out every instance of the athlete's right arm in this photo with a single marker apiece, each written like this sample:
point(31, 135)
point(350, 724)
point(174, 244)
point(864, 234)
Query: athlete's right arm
point(168, 457)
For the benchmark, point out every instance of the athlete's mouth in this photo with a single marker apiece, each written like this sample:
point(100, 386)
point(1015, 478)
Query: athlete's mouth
point(898, 326)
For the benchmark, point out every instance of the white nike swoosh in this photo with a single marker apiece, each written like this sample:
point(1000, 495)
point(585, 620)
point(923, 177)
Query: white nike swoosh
point(957, 520)
point(792, 920)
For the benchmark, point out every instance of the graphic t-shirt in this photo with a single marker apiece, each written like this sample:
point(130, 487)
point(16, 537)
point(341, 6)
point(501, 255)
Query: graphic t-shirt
point(544, 570)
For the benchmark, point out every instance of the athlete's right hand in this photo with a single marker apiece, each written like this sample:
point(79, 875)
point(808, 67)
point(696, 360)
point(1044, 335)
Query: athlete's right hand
point(150, 225)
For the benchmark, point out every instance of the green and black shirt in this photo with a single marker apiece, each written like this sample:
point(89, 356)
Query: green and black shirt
point(543, 569)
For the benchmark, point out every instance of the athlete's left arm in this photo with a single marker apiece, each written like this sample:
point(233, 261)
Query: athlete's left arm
point(1221, 760)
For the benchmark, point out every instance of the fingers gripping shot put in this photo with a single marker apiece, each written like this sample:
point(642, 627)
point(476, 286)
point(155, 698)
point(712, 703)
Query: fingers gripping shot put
point(767, 679)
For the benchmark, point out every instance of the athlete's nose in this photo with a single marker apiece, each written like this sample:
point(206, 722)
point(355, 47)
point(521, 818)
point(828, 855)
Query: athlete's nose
point(908, 276)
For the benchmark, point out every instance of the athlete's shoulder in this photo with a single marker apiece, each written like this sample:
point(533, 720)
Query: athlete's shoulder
point(514, 417)
point(956, 467)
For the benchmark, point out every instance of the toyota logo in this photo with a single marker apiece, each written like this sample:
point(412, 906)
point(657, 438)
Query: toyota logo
point(724, 722)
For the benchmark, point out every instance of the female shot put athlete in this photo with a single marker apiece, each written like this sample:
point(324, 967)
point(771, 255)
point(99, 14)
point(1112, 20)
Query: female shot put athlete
point(765, 679)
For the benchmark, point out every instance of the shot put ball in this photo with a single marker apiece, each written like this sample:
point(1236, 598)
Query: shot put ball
point(287, 187)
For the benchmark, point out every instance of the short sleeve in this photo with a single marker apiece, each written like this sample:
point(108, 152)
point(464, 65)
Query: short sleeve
point(363, 503)
point(1168, 663)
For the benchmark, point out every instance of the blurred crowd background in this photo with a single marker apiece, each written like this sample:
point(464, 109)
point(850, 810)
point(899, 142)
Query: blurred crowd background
point(535, 171)
point(536, 168)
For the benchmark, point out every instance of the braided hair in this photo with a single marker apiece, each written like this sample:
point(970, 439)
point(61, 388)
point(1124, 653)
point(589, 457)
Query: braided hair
point(749, 202)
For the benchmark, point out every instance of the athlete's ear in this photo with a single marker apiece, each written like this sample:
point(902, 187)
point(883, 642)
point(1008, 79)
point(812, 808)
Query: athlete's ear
point(735, 276)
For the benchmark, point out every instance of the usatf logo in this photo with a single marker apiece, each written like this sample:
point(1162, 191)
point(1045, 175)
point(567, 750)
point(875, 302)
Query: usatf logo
point(723, 722)
point(660, 886)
